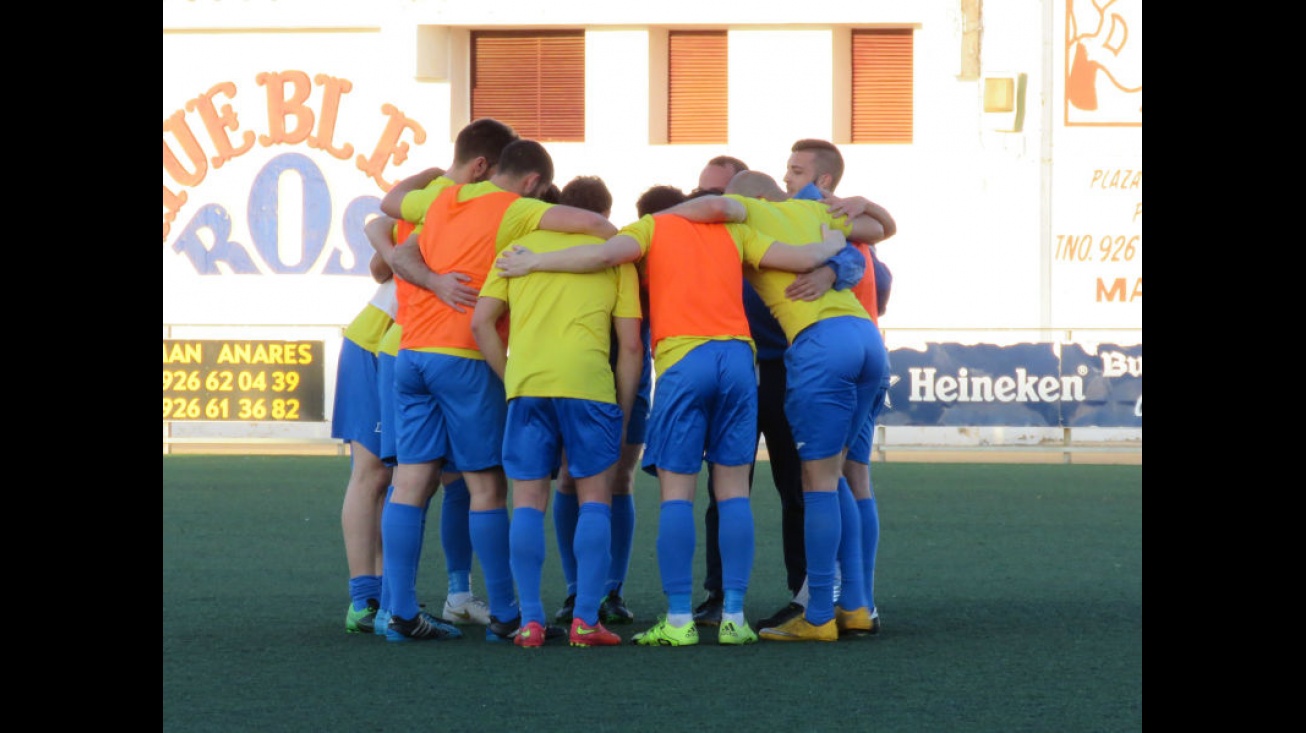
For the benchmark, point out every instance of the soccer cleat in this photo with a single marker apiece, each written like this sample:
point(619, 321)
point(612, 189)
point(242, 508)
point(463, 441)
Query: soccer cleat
point(856, 622)
point(708, 612)
point(361, 622)
point(473, 610)
point(613, 610)
point(530, 635)
point(582, 634)
point(563, 616)
point(664, 634)
point(800, 629)
point(875, 621)
point(382, 622)
point(498, 630)
point(777, 619)
point(423, 627)
point(735, 634)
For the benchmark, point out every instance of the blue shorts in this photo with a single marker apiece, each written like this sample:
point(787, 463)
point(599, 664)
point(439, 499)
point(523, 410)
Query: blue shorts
point(357, 412)
point(540, 427)
point(706, 405)
point(385, 387)
point(834, 371)
point(448, 407)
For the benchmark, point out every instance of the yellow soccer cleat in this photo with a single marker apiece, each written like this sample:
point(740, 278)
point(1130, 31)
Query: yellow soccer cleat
point(800, 629)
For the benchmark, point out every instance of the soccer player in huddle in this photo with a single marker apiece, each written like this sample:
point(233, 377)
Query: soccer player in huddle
point(356, 419)
point(564, 399)
point(590, 192)
point(813, 171)
point(451, 405)
point(476, 154)
point(836, 370)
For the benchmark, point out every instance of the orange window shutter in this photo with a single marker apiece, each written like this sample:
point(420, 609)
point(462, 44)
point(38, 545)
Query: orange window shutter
point(532, 80)
point(882, 86)
point(697, 105)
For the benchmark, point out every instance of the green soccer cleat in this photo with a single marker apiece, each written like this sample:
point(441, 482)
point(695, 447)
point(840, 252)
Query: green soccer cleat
point(735, 634)
point(664, 634)
point(361, 622)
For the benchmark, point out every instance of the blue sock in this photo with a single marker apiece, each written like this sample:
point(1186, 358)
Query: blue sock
point(735, 537)
point(566, 508)
point(456, 537)
point(821, 530)
point(526, 537)
point(490, 539)
point(852, 593)
point(870, 544)
point(623, 539)
point(675, 546)
point(362, 588)
point(384, 598)
point(401, 534)
point(593, 546)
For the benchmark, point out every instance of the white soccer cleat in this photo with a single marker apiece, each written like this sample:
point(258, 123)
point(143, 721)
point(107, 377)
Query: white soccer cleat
point(471, 610)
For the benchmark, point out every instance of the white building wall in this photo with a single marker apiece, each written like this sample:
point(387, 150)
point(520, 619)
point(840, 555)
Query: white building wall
point(976, 207)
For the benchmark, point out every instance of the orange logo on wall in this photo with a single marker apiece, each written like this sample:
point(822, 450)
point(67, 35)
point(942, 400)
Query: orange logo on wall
point(1104, 63)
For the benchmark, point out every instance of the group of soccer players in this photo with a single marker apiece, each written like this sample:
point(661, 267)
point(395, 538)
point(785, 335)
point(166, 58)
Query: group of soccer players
point(515, 336)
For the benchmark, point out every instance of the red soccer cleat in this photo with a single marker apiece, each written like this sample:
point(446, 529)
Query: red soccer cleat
point(530, 635)
point(582, 634)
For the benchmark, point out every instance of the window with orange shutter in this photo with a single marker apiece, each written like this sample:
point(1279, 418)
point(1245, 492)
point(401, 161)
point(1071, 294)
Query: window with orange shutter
point(697, 109)
point(532, 80)
point(882, 62)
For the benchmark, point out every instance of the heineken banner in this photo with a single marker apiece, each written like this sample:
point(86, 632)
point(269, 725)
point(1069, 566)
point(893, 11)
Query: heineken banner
point(1041, 385)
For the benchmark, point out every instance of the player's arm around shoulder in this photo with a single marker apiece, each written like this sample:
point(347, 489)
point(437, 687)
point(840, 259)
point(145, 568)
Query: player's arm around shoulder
point(380, 234)
point(803, 257)
point(574, 220)
point(710, 210)
point(392, 202)
point(859, 210)
point(517, 260)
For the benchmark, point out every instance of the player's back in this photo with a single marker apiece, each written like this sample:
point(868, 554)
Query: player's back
point(695, 280)
point(560, 338)
point(458, 235)
point(796, 222)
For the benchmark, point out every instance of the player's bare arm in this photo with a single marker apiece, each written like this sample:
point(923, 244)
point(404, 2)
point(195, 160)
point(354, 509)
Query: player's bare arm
point(855, 206)
point(804, 257)
point(516, 260)
point(575, 220)
point(710, 209)
point(379, 234)
point(811, 285)
point(448, 287)
point(392, 202)
point(487, 314)
point(630, 365)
